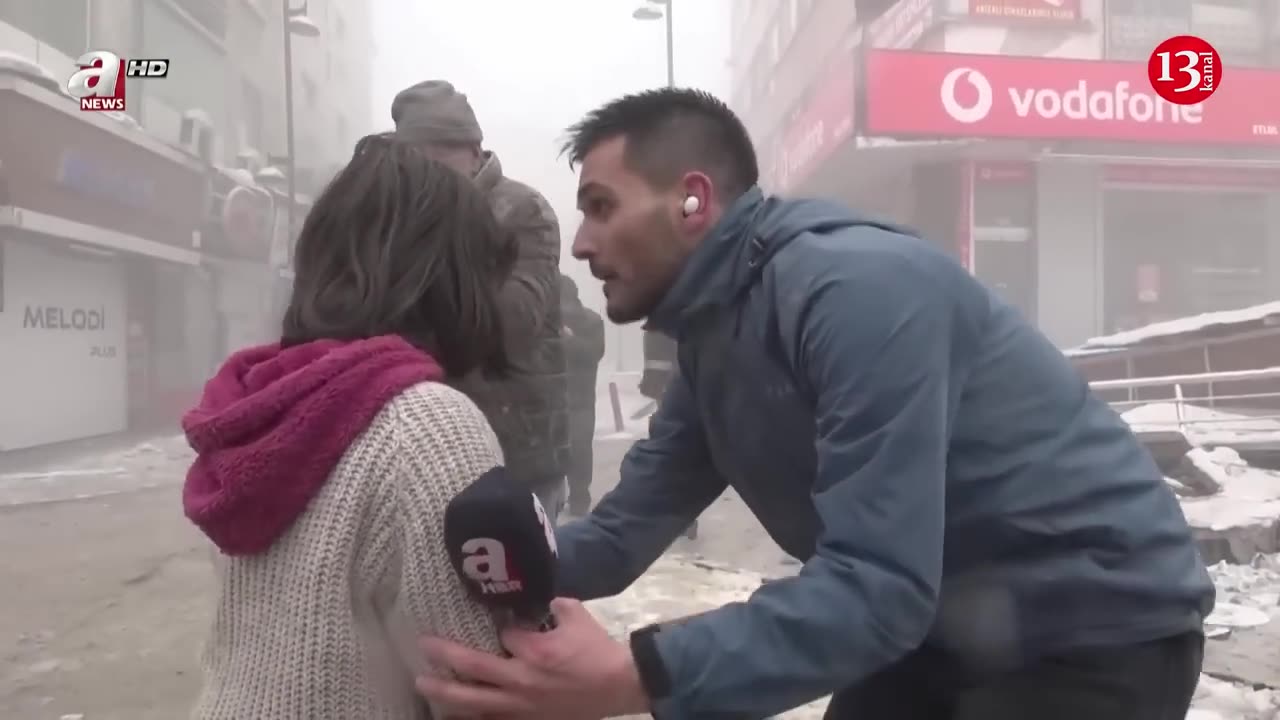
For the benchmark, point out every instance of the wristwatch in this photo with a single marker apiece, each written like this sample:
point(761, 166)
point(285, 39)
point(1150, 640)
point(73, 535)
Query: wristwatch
point(653, 672)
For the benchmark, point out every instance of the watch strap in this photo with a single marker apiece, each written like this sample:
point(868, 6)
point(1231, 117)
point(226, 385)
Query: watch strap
point(653, 671)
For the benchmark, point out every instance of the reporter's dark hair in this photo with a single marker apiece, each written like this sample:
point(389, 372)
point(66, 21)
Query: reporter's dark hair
point(401, 244)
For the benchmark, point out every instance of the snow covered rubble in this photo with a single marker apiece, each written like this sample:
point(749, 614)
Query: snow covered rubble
point(1234, 507)
point(1204, 426)
point(1249, 598)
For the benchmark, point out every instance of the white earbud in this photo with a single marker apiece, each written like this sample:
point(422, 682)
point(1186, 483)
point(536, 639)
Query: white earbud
point(691, 205)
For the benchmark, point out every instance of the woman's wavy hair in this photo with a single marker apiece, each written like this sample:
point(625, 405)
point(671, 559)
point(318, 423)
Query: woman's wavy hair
point(401, 244)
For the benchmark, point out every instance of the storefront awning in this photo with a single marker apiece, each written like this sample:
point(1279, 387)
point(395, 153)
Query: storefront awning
point(91, 235)
point(94, 180)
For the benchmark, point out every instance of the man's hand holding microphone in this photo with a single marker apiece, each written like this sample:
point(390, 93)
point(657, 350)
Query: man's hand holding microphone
point(563, 664)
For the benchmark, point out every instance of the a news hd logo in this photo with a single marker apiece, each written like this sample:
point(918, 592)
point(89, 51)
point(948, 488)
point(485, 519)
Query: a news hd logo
point(99, 84)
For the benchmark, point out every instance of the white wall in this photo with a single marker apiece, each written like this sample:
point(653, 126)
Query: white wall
point(60, 384)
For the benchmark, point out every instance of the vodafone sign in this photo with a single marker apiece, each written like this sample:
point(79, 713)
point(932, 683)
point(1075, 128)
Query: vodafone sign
point(914, 94)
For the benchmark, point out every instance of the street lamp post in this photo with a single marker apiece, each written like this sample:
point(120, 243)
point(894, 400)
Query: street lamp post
point(297, 23)
point(644, 12)
point(648, 13)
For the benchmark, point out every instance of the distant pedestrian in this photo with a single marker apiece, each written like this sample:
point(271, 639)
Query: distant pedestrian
point(583, 349)
point(526, 409)
point(983, 537)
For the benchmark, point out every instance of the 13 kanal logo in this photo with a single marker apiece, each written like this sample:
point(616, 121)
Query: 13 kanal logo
point(99, 84)
point(1185, 70)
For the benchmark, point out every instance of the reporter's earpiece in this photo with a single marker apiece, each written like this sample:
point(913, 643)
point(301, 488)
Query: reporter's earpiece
point(691, 205)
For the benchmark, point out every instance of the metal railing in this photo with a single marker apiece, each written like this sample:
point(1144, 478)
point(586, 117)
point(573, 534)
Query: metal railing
point(1202, 403)
point(1205, 403)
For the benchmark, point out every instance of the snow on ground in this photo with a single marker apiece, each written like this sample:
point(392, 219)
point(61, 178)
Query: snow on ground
point(1220, 700)
point(1203, 426)
point(1253, 587)
point(1249, 495)
point(161, 460)
point(1247, 596)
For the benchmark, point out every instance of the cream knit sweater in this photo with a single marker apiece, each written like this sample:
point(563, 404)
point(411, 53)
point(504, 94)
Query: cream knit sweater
point(323, 625)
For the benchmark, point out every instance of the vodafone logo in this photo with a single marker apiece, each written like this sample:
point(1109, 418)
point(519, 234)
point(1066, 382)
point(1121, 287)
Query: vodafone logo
point(918, 94)
point(1118, 102)
point(981, 106)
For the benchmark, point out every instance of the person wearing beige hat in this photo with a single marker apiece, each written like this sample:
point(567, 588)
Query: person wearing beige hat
point(527, 409)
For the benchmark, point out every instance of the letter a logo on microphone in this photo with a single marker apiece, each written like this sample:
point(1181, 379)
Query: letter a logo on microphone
point(485, 563)
point(961, 112)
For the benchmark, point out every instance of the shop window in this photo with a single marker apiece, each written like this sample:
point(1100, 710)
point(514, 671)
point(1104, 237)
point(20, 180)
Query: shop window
point(62, 24)
point(1133, 27)
point(1171, 253)
point(1003, 205)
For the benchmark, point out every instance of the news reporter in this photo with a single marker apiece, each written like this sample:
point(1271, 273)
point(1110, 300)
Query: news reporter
point(324, 462)
point(982, 537)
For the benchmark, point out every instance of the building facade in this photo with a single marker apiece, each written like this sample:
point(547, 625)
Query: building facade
point(138, 249)
point(1024, 136)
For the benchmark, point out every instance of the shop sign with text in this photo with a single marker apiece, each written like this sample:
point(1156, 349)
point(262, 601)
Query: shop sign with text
point(72, 165)
point(917, 94)
point(824, 123)
point(1034, 10)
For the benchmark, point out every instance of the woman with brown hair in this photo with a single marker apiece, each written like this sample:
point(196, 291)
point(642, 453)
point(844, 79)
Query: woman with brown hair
point(325, 461)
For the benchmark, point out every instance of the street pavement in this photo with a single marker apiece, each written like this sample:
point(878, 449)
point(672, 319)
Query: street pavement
point(105, 589)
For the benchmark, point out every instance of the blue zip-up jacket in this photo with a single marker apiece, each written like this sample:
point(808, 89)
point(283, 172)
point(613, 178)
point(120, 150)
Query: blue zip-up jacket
point(946, 475)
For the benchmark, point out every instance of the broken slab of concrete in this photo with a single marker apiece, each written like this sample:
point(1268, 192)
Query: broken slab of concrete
point(1243, 519)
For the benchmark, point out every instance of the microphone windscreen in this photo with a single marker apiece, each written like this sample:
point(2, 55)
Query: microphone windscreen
point(502, 545)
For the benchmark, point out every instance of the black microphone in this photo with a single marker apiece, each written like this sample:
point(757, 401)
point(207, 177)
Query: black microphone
point(504, 548)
